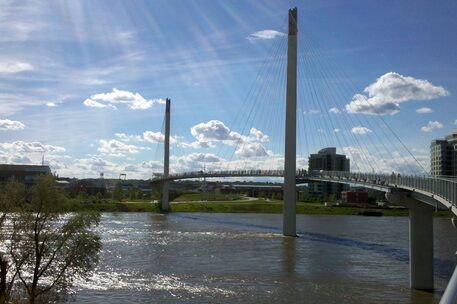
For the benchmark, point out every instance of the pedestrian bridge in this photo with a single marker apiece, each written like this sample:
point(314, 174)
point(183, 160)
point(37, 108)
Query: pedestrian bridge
point(430, 190)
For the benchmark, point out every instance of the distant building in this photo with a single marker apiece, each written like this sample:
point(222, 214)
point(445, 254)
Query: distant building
point(443, 155)
point(355, 197)
point(326, 159)
point(27, 174)
point(89, 186)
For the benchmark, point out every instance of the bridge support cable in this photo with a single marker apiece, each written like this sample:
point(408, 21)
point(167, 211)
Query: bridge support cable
point(273, 123)
point(157, 154)
point(289, 207)
point(325, 84)
point(251, 105)
point(373, 140)
point(312, 101)
point(321, 102)
point(265, 92)
point(166, 159)
point(317, 106)
point(421, 274)
point(331, 83)
point(397, 146)
point(267, 112)
point(278, 112)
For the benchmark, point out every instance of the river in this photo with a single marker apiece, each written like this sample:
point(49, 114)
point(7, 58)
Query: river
point(243, 258)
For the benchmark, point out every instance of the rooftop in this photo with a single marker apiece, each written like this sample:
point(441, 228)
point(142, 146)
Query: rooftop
point(27, 168)
point(329, 150)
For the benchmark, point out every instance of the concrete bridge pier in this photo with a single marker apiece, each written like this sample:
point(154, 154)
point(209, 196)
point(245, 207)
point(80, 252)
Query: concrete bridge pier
point(290, 150)
point(166, 161)
point(420, 239)
point(165, 206)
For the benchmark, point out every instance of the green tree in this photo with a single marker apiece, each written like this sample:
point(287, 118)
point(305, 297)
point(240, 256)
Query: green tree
point(118, 193)
point(12, 191)
point(48, 248)
point(135, 193)
point(305, 197)
point(331, 198)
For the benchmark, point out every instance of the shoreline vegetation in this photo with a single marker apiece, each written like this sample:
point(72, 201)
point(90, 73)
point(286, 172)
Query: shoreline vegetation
point(236, 204)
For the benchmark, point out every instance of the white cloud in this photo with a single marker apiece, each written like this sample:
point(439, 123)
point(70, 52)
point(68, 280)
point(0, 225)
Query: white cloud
point(364, 105)
point(311, 112)
point(217, 131)
point(30, 147)
point(149, 136)
point(265, 35)
point(154, 137)
point(20, 21)
point(424, 110)
point(198, 144)
point(432, 125)
point(192, 163)
point(21, 99)
point(251, 150)
point(334, 110)
point(364, 160)
point(13, 125)
point(93, 166)
point(94, 104)
point(19, 159)
point(11, 67)
point(51, 104)
point(133, 100)
point(385, 95)
point(213, 130)
point(114, 147)
point(203, 157)
point(336, 130)
point(157, 137)
point(128, 137)
point(360, 130)
point(196, 161)
point(258, 135)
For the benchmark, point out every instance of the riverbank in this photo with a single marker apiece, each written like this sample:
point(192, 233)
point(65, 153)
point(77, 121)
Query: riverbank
point(250, 206)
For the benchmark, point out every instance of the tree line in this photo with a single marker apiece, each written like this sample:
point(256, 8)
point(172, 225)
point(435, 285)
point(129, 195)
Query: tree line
point(43, 248)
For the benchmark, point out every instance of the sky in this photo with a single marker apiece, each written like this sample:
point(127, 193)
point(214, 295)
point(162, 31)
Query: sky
point(83, 83)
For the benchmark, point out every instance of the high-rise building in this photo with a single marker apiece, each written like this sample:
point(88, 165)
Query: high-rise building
point(326, 159)
point(443, 155)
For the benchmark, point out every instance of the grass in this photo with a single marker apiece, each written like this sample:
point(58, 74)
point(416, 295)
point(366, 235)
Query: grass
point(189, 197)
point(253, 206)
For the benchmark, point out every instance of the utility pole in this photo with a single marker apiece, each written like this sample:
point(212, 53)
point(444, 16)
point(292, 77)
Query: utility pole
point(289, 207)
point(166, 160)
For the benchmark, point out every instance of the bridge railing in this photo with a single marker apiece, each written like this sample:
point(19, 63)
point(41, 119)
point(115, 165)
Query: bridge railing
point(441, 187)
point(227, 173)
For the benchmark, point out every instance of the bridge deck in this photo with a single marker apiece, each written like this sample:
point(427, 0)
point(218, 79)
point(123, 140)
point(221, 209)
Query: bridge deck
point(440, 189)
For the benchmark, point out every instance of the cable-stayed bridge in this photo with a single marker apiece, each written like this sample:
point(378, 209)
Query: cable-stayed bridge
point(420, 193)
point(429, 190)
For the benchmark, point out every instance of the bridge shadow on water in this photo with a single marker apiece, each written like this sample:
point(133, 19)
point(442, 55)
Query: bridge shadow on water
point(443, 268)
